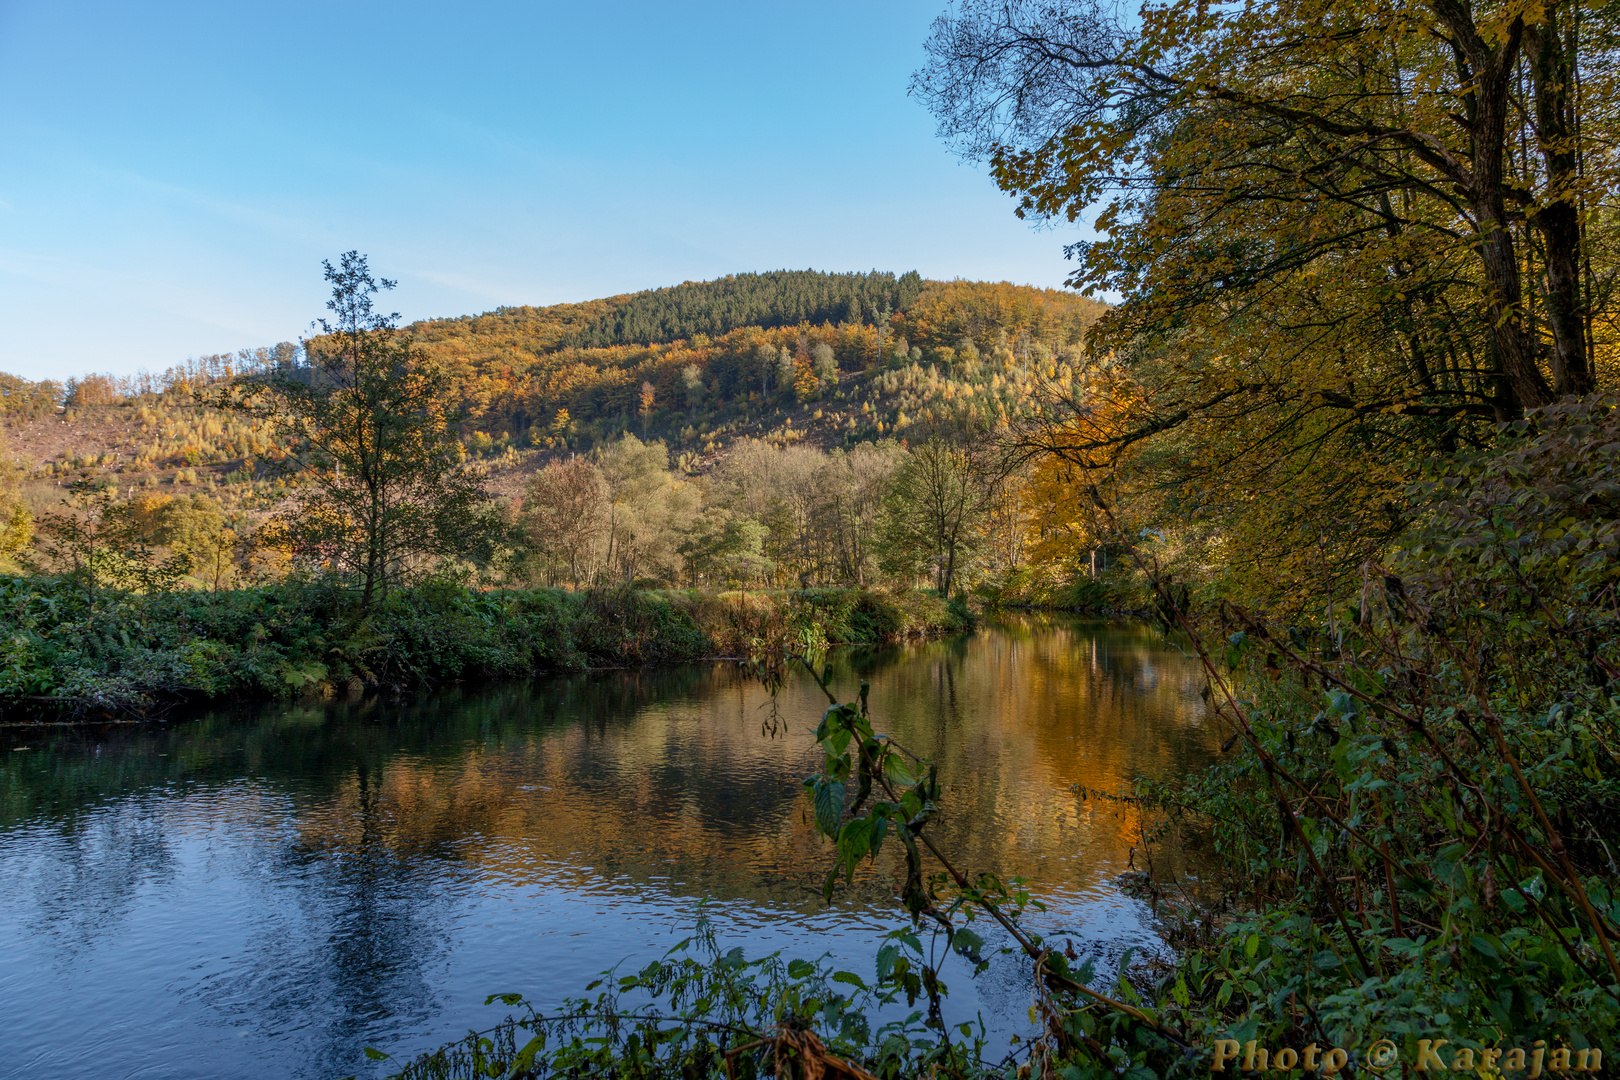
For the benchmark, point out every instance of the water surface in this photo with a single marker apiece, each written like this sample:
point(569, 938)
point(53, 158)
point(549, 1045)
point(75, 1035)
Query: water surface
point(264, 892)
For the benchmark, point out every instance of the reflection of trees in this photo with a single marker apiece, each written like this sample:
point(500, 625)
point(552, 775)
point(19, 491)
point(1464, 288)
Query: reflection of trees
point(1016, 717)
point(666, 772)
point(363, 824)
point(348, 933)
point(78, 883)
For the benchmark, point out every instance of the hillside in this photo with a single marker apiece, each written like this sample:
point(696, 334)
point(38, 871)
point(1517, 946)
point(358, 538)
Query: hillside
point(832, 359)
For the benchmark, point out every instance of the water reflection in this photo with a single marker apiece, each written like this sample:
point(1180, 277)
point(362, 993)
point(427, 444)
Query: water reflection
point(261, 893)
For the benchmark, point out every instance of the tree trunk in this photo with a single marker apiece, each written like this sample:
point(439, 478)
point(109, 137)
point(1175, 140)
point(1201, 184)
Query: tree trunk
point(1485, 75)
point(1551, 74)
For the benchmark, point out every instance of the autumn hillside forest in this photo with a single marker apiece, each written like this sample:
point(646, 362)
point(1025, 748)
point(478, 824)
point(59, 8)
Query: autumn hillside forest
point(760, 432)
point(1328, 399)
point(735, 393)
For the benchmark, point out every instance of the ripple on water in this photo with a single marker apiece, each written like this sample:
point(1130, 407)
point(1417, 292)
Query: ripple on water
point(265, 892)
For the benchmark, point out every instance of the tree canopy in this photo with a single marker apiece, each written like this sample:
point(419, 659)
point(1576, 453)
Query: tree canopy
point(1345, 236)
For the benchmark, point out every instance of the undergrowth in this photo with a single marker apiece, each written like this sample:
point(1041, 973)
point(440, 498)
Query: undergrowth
point(68, 651)
point(1414, 835)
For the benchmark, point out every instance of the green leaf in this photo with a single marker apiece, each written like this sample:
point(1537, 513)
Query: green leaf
point(967, 943)
point(375, 1055)
point(851, 978)
point(523, 1063)
point(854, 841)
point(799, 969)
point(829, 806)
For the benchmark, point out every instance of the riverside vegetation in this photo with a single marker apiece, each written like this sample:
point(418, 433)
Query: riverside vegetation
point(385, 562)
point(1348, 430)
point(1413, 839)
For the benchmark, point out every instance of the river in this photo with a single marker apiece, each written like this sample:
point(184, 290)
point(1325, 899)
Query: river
point(265, 891)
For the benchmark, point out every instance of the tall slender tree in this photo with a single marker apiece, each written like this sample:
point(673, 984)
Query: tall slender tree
point(382, 494)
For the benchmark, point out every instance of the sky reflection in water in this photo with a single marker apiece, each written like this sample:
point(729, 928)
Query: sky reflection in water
point(263, 893)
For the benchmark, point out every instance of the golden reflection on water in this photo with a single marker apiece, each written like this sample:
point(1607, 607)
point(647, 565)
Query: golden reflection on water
point(265, 891)
point(682, 783)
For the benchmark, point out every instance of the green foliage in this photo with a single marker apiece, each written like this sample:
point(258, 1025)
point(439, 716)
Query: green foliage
point(854, 616)
point(98, 543)
point(1413, 840)
point(67, 651)
point(705, 1012)
point(1041, 588)
point(778, 298)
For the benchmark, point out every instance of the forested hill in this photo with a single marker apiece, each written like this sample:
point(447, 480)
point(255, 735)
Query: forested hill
point(787, 355)
point(710, 308)
point(852, 356)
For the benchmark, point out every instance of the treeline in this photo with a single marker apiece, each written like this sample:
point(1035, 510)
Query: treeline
point(935, 514)
point(21, 399)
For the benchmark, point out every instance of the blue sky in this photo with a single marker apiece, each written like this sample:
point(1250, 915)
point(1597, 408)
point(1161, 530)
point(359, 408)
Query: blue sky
point(172, 174)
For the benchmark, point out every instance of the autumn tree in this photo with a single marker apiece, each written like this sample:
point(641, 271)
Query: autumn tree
point(1437, 158)
point(1345, 236)
point(765, 363)
point(782, 489)
point(824, 366)
point(855, 488)
point(21, 399)
point(935, 506)
point(649, 510)
point(647, 397)
point(370, 441)
point(16, 523)
point(565, 514)
point(218, 547)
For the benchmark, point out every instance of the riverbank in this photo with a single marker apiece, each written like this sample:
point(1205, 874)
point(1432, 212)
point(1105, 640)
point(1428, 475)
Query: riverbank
point(68, 654)
point(1023, 590)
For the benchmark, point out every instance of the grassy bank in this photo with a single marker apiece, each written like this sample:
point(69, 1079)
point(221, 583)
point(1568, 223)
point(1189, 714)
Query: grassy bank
point(1027, 589)
point(67, 653)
